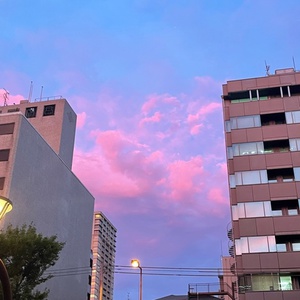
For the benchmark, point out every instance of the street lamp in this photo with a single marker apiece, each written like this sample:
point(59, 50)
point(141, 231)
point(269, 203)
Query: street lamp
point(136, 264)
point(5, 207)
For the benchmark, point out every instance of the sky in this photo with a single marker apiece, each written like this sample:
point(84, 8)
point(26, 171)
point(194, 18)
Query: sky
point(145, 80)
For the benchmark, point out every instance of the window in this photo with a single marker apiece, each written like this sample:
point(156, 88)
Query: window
point(247, 149)
point(4, 154)
point(245, 122)
point(285, 207)
point(7, 128)
point(248, 178)
point(292, 117)
point(2, 183)
point(254, 148)
point(280, 175)
point(288, 243)
point(13, 109)
point(30, 112)
point(269, 282)
point(49, 110)
point(272, 119)
point(276, 146)
point(251, 210)
point(255, 244)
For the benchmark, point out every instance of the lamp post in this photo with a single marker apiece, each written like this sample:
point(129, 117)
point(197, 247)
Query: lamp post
point(136, 264)
point(5, 207)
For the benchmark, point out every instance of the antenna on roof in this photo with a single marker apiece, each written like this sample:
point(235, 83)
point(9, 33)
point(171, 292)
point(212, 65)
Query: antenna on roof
point(5, 97)
point(30, 91)
point(41, 95)
point(294, 64)
point(267, 69)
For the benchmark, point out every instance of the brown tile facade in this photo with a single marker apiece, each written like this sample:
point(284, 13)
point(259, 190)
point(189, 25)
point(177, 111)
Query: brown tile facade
point(262, 118)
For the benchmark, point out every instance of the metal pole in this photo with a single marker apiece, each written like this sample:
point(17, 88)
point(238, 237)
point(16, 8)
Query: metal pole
point(7, 295)
point(141, 283)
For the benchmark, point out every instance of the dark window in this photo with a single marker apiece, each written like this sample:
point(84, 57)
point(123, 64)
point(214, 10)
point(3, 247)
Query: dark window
point(88, 296)
point(281, 175)
point(90, 279)
point(270, 92)
point(2, 183)
point(91, 263)
point(273, 119)
point(7, 128)
point(13, 109)
point(295, 90)
point(285, 207)
point(288, 243)
point(276, 146)
point(4, 154)
point(30, 112)
point(49, 110)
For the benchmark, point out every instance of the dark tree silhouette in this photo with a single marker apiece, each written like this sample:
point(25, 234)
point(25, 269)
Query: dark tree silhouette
point(27, 255)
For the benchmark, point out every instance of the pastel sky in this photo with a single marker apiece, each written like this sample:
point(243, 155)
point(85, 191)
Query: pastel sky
point(145, 79)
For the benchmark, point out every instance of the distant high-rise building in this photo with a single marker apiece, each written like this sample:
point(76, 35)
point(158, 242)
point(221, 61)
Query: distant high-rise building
point(262, 128)
point(104, 250)
point(36, 150)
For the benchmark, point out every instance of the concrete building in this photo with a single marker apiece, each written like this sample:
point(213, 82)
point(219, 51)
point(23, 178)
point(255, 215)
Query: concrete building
point(36, 149)
point(262, 128)
point(104, 250)
point(228, 278)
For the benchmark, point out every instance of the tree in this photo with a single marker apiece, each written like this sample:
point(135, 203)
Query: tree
point(27, 255)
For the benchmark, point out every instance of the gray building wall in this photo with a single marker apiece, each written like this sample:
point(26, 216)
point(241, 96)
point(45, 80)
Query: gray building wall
point(45, 192)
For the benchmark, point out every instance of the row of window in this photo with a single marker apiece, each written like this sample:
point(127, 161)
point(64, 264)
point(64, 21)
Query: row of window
point(263, 94)
point(243, 122)
point(261, 244)
point(48, 110)
point(4, 155)
point(265, 147)
point(269, 282)
point(264, 176)
point(7, 128)
point(265, 209)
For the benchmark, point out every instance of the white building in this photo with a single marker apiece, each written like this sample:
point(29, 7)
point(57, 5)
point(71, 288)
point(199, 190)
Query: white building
point(104, 250)
point(36, 149)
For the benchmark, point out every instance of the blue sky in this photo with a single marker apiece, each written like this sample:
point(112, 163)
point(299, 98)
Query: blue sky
point(145, 78)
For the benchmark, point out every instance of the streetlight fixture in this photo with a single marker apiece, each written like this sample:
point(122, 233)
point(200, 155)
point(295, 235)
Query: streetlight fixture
point(5, 207)
point(136, 264)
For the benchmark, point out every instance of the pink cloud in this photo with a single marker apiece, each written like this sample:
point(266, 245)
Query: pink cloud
point(149, 104)
point(10, 98)
point(183, 177)
point(155, 100)
point(196, 129)
point(167, 167)
point(204, 111)
point(81, 118)
point(153, 119)
point(217, 195)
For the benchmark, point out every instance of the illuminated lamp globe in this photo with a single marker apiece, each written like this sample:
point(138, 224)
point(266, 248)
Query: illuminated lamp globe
point(135, 263)
point(5, 206)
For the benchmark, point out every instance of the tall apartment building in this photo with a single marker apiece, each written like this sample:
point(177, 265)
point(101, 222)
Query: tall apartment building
point(36, 150)
point(104, 250)
point(262, 129)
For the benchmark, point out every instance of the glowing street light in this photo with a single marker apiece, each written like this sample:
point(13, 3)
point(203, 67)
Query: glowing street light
point(136, 264)
point(5, 207)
